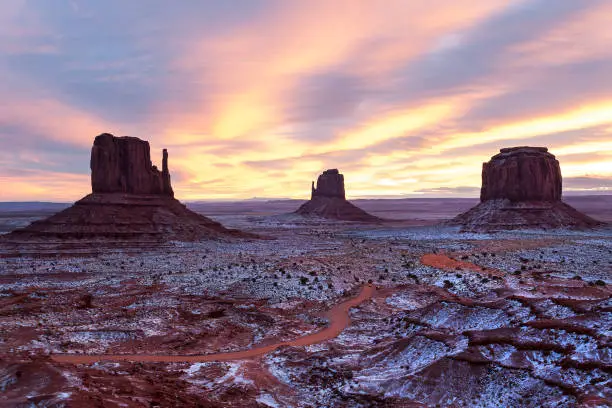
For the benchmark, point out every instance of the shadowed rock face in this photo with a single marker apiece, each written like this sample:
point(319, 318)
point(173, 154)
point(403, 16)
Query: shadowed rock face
point(522, 174)
point(521, 188)
point(123, 165)
point(329, 184)
point(328, 200)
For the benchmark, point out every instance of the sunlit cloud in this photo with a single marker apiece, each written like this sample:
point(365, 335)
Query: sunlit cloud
point(42, 186)
point(257, 97)
point(578, 118)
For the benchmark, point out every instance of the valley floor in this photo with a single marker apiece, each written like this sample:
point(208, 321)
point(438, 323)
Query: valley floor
point(453, 319)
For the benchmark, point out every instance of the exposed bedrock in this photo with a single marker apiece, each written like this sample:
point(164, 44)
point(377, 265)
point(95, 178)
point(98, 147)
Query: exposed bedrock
point(329, 184)
point(123, 165)
point(522, 174)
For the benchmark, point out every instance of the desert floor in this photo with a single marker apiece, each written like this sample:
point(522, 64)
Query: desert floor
point(401, 314)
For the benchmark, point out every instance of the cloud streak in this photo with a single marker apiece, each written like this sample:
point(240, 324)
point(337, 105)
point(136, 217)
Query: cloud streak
point(256, 97)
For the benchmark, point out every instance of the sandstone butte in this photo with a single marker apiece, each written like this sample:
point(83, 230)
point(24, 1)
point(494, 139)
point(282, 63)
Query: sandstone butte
point(131, 200)
point(123, 165)
point(328, 200)
point(521, 188)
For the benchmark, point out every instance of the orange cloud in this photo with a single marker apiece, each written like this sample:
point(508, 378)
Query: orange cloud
point(44, 186)
point(232, 100)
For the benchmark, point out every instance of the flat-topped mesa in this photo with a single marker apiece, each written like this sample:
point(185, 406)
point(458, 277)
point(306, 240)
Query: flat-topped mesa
point(329, 184)
point(123, 165)
point(522, 174)
point(521, 188)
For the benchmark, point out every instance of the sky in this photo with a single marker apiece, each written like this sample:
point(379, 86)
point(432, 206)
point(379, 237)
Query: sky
point(255, 98)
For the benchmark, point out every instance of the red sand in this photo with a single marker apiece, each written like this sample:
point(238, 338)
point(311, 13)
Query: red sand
point(442, 261)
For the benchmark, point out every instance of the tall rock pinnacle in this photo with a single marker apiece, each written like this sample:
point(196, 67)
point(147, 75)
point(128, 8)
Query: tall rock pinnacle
point(167, 186)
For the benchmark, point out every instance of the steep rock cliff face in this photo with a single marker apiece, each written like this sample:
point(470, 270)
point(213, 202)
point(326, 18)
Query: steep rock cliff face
point(123, 165)
point(522, 174)
point(521, 188)
point(330, 184)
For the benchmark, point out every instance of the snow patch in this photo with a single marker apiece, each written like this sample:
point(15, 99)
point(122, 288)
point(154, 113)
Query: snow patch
point(268, 400)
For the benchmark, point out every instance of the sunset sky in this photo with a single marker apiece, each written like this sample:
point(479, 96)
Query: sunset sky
point(254, 98)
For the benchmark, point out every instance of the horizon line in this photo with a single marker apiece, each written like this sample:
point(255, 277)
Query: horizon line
point(373, 197)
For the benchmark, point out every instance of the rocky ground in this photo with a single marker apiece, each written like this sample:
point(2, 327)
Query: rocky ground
point(515, 319)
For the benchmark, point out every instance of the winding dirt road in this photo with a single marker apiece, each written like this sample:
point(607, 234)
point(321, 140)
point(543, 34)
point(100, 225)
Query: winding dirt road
point(442, 261)
point(338, 317)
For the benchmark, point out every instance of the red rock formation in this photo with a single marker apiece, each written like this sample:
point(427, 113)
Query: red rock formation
point(328, 200)
point(329, 184)
point(521, 188)
point(123, 165)
point(522, 174)
point(131, 201)
point(167, 186)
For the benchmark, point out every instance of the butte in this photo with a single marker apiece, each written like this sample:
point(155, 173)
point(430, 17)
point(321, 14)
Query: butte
point(328, 200)
point(132, 202)
point(521, 188)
